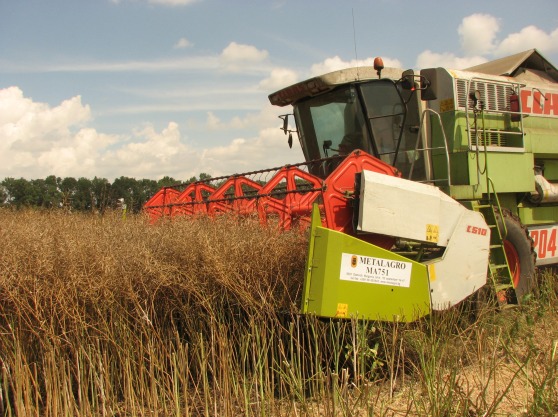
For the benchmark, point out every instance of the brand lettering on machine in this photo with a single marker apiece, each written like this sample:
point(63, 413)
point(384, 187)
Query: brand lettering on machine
point(375, 271)
point(538, 102)
point(477, 230)
point(382, 263)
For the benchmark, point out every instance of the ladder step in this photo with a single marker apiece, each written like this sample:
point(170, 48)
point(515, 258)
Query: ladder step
point(500, 273)
point(503, 287)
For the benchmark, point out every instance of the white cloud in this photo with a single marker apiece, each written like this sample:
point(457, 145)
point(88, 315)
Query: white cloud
point(205, 63)
point(151, 154)
point(279, 78)
point(77, 156)
point(267, 150)
point(182, 43)
point(29, 119)
point(213, 122)
point(239, 57)
point(249, 120)
point(527, 38)
point(478, 33)
point(37, 140)
point(268, 116)
point(336, 63)
point(479, 43)
point(429, 59)
point(239, 52)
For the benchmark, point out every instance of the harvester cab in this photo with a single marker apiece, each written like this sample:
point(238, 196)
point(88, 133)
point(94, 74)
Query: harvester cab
point(352, 109)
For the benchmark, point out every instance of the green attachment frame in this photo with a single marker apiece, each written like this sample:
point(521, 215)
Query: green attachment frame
point(349, 278)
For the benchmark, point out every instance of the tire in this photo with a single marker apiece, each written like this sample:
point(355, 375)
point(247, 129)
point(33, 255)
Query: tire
point(520, 253)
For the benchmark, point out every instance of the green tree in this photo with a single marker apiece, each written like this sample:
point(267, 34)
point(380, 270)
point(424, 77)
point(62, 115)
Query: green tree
point(202, 177)
point(20, 192)
point(3, 194)
point(68, 187)
point(145, 190)
point(81, 194)
point(166, 182)
point(125, 188)
point(46, 192)
point(82, 199)
point(100, 188)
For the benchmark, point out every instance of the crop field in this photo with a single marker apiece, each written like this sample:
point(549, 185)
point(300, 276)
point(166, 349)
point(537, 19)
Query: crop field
point(111, 316)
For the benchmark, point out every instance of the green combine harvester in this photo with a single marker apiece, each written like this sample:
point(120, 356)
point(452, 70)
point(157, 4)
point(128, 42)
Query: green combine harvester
point(419, 188)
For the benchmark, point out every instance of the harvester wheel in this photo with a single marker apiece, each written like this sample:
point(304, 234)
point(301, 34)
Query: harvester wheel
point(520, 253)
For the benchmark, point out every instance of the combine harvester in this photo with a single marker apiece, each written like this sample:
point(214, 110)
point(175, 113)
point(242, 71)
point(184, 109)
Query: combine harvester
point(418, 187)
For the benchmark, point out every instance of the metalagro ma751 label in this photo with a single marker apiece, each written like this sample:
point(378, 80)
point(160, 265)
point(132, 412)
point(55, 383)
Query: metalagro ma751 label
point(372, 270)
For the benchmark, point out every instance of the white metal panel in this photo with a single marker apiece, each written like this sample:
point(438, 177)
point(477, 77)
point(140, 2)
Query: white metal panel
point(407, 209)
point(463, 267)
point(450, 212)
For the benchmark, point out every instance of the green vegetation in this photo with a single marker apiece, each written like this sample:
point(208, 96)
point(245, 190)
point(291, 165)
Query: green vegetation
point(82, 194)
point(197, 317)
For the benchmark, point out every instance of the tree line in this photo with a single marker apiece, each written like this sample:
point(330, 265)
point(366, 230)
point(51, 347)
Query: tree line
point(82, 194)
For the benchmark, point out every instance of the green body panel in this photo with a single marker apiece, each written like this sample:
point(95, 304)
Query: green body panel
point(538, 215)
point(326, 294)
point(509, 171)
point(551, 169)
point(541, 136)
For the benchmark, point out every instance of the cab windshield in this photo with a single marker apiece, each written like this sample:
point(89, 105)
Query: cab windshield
point(366, 116)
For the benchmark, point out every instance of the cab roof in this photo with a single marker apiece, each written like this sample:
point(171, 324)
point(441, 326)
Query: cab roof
point(322, 83)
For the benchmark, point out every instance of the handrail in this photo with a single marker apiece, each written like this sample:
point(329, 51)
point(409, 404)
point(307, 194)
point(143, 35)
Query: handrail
point(428, 163)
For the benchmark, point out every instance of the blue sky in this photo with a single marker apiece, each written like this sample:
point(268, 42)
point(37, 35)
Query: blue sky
point(148, 88)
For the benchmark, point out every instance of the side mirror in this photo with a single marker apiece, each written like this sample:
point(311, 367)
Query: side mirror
point(428, 84)
point(285, 118)
point(285, 128)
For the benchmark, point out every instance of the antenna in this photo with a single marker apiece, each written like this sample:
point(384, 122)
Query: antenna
point(355, 44)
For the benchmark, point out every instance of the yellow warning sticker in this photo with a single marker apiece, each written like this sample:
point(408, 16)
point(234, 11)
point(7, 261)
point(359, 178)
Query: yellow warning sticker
point(447, 105)
point(432, 233)
point(431, 272)
point(342, 310)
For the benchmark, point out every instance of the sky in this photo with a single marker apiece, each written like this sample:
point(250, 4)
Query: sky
point(154, 88)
